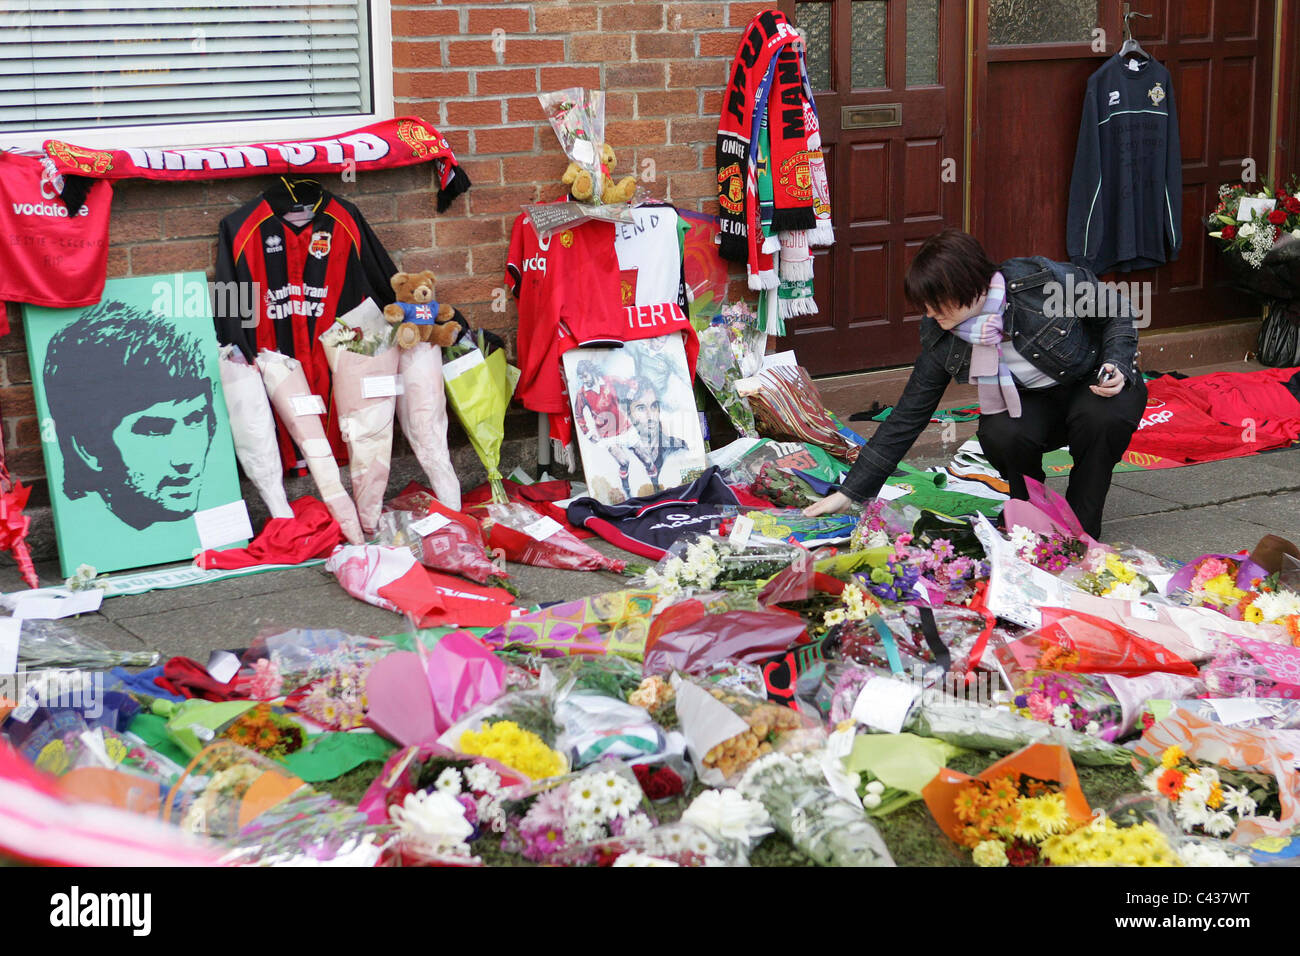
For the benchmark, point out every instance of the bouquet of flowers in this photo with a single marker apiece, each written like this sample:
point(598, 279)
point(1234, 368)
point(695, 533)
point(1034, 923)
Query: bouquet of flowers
point(476, 783)
point(616, 622)
point(1222, 582)
point(529, 538)
point(802, 806)
point(1105, 843)
point(709, 560)
point(518, 730)
point(310, 829)
point(602, 802)
point(1081, 702)
point(252, 426)
point(226, 787)
point(782, 488)
point(1273, 215)
point(1005, 814)
point(479, 384)
point(292, 398)
point(1242, 667)
point(365, 386)
point(338, 699)
point(266, 731)
point(441, 537)
point(718, 369)
point(1106, 574)
point(1209, 800)
point(578, 117)
point(422, 413)
point(1051, 552)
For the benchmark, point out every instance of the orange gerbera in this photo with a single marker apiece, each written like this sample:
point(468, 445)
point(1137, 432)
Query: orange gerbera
point(968, 803)
point(240, 732)
point(1003, 791)
point(1171, 783)
point(266, 737)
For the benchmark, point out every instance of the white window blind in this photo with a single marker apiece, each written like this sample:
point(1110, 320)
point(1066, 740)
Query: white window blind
point(89, 64)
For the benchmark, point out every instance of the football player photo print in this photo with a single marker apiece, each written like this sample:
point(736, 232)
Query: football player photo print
point(635, 417)
point(134, 427)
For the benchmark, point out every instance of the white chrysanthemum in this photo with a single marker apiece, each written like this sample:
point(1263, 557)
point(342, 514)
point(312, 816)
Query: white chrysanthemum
point(1238, 801)
point(617, 803)
point(1061, 715)
point(834, 617)
point(449, 781)
point(638, 824)
point(727, 815)
point(1199, 854)
point(1219, 824)
point(1151, 781)
point(1278, 604)
point(482, 779)
point(1093, 728)
point(1198, 785)
point(1022, 539)
point(1190, 812)
point(633, 858)
point(583, 831)
point(1126, 590)
point(433, 817)
point(585, 795)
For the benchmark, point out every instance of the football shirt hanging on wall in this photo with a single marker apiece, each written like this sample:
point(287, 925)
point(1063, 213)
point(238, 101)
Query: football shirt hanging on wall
point(134, 427)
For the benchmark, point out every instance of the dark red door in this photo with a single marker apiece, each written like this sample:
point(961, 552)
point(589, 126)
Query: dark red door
point(889, 79)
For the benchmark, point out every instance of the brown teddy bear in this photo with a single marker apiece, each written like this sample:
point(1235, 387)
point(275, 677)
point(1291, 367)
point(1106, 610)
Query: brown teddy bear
point(579, 180)
point(418, 316)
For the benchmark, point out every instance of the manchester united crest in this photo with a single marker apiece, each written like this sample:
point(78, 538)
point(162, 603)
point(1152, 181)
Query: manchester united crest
point(320, 244)
point(1157, 94)
point(731, 188)
point(796, 177)
point(85, 160)
point(566, 238)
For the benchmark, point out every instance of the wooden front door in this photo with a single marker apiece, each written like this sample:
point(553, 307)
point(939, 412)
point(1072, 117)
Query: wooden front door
point(889, 82)
point(1031, 68)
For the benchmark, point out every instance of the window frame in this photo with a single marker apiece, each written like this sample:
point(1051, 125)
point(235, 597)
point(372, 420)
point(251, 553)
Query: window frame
point(233, 133)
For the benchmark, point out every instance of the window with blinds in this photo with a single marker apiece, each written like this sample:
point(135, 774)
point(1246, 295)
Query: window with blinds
point(88, 64)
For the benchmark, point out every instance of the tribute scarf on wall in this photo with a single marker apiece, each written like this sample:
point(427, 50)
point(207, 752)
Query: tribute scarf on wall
point(384, 145)
point(767, 34)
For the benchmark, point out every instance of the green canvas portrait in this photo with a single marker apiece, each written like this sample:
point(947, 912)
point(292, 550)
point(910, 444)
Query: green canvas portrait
point(133, 423)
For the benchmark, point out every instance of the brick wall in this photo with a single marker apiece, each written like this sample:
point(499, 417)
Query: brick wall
point(473, 70)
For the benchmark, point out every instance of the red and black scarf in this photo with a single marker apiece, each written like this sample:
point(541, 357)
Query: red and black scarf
point(768, 38)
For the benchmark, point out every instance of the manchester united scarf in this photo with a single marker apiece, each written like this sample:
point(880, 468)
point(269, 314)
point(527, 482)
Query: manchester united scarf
point(767, 35)
point(385, 145)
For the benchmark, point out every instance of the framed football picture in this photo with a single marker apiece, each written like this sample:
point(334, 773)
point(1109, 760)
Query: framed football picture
point(134, 429)
point(635, 417)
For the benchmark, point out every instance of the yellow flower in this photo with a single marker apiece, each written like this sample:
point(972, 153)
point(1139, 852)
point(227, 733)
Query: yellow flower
point(1254, 615)
point(1029, 826)
point(1169, 759)
point(990, 853)
point(1051, 812)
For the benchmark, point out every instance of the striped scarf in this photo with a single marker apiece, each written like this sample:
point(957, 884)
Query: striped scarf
point(997, 389)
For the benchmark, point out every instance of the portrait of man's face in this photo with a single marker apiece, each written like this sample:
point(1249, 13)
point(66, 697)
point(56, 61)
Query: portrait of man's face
point(644, 412)
point(157, 471)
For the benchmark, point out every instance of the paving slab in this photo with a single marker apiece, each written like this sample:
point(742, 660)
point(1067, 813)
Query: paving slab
point(1219, 481)
point(1186, 534)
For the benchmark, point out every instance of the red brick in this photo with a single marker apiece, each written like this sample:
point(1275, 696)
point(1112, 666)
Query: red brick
point(668, 103)
point(551, 17)
point(423, 22)
point(406, 235)
point(711, 103)
point(194, 223)
point(524, 109)
point(161, 257)
point(443, 262)
point(458, 140)
point(26, 464)
point(489, 261)
point(17, 370)
point(620, 104)
point(473, 113)
point(417, 54)
point(473, 53)
point(600, 47)
point(156, 195)
point(562, 77)
point(684, 187)
point(625, 16)
point(691, 131)
point(491, 82)
point(17, 401)
point(400, 180)
point(135, 225)
point(640, 133)
point(486, 172)
point(475, 290)
point(451, 233)
point(534, 51)
point(666, 158)
point(651, 46)
point(377, 207)
point(417, 204)
point(27, 431)
point(512, 20)
point(425, 85)
point(739, 14)
point(119, 263)
point(722, 43)
point(546, 168)
point(635, 75)
point(698, 73)
point(502, 199)
point(510, 139)
point(696, 16)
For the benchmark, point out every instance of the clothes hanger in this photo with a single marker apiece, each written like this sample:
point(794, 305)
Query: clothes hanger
point(310, 187)
point(1131, 47)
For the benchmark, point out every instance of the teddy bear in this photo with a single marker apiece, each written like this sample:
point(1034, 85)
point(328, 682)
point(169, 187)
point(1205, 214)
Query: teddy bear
point(418, 316)
point(579, 180)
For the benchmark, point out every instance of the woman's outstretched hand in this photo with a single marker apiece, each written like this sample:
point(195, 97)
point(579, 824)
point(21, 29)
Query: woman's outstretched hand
point(835, 503)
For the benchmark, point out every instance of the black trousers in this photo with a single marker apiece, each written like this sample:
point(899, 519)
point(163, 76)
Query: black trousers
point(1097, 430)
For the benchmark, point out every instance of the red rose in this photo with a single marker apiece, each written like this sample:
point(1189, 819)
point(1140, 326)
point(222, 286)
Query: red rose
point(1280, 194)
point(1229, 232)
point(1277, 217)
point(1292, 205)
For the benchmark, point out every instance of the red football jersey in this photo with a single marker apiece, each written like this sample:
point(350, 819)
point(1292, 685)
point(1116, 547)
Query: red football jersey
point(49, 256)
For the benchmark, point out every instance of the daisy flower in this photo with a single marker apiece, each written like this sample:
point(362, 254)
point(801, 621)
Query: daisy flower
point(1051, 812)
point(638, 824)
point(1219, 824)
point(1238, 801)
point(482, 779)
point(449, 781)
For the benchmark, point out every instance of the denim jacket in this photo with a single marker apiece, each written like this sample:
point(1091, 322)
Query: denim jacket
point(1040, 323)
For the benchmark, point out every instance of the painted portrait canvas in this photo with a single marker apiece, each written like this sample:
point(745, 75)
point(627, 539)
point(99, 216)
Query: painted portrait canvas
point(635, 417)
point(134, 427)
